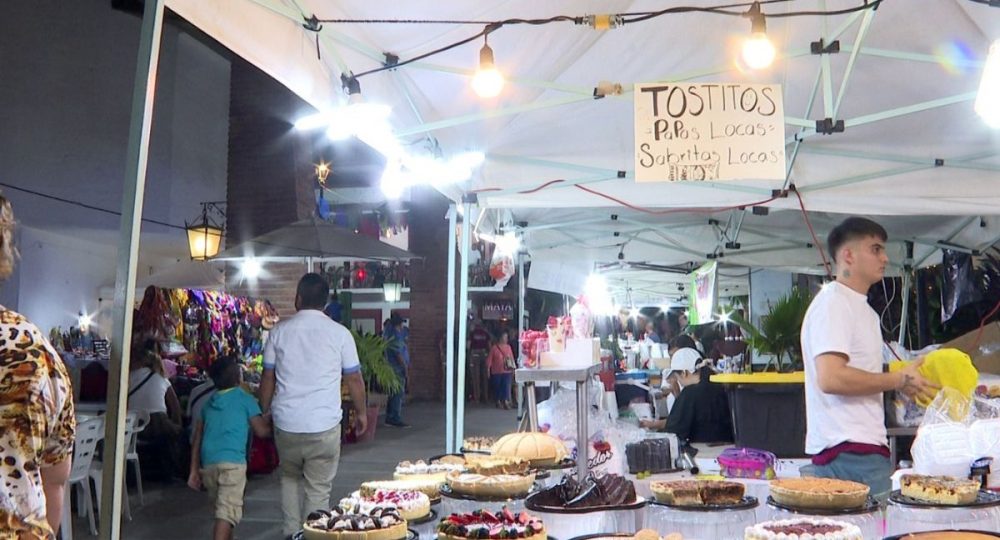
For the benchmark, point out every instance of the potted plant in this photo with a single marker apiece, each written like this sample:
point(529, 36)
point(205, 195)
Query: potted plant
point(380, 378)
point(778, 334)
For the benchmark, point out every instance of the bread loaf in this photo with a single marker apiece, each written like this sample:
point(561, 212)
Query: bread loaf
point(539, 449)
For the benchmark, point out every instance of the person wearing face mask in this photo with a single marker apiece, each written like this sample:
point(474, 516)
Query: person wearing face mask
point(842, 352)
point(701, 412)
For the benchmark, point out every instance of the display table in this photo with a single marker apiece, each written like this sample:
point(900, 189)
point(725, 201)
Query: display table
point(768, 410)
point(581, 376)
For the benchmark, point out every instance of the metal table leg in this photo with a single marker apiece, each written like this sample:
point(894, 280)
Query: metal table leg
point(529, 388)
point(582, 440)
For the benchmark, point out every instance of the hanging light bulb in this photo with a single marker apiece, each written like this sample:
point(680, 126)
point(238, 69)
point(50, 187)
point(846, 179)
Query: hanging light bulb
point(758, 51)
point(988, 99)
point(488, 81)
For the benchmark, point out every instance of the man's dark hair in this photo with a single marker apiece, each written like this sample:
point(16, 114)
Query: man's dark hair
point(682, 341)
point(313, 291)
point(853, 228)
point(225, 372)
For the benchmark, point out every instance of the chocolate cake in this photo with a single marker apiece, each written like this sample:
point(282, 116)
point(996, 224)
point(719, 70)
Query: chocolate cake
point(594, 491)
point(650, 455)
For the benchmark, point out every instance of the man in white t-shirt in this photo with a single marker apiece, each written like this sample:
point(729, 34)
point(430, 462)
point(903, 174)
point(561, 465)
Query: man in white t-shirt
point(305, 358)
point(842, 349)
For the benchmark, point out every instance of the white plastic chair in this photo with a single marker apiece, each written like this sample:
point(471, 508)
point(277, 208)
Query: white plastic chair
point(132, 454)
point(97, 470)
point(88, 433)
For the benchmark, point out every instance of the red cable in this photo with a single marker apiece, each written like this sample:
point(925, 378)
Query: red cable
point(982, 325)
point(671, 210)
point(819, 247)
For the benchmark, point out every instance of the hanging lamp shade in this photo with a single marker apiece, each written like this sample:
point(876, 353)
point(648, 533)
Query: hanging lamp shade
point(204, 240)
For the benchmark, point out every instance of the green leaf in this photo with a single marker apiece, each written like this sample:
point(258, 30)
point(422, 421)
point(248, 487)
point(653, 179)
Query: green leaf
point(779, 330)
point(375, 366)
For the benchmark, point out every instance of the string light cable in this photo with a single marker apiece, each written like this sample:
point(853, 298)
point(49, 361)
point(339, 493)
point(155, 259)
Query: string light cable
point(598, 21)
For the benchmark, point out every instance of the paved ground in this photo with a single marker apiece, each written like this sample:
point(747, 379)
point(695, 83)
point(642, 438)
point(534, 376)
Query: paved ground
point(173, 511)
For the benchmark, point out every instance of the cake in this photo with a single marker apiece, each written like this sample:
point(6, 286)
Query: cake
point(478, 444)
point(493, 486)
point(825, 493)
point(488, 465)
point(650, 455)
point(948, 535)
point(412, 505)
point(539, 449)
point(593, 492)
point(803, 529)
point(698, 492)
point(431, 488)
point(378, 524)
point(483, 524)
point(419, 470)
point(939, 489)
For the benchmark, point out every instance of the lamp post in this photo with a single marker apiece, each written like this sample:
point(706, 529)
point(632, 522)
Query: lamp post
point(205, 235)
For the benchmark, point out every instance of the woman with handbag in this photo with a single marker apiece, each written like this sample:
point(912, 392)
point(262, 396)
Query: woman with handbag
point(502, 365)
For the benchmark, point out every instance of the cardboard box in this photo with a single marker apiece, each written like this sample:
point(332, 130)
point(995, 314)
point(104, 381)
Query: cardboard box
point(578, 353)
point(985, 356)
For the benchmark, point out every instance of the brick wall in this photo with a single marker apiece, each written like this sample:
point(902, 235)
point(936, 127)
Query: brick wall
point(428, 230)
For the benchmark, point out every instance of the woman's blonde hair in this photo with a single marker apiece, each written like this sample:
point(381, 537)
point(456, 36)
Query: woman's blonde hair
point(8, 251)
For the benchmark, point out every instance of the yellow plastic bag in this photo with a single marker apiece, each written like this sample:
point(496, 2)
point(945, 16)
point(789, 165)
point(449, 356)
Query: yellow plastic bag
point(947, 368)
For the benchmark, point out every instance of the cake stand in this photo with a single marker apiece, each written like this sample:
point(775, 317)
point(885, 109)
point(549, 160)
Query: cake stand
point(868, 517)
point(458, 503)
point(906, 515)
point(573, 522)
point(717, 521)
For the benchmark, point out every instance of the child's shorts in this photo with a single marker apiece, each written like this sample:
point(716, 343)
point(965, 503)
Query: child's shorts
point(225, 483)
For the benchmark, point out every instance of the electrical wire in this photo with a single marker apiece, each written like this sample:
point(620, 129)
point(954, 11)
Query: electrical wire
point(671, 210)
point(816, 242)
point(312, 23)
point(982, 326)
point(84, 205)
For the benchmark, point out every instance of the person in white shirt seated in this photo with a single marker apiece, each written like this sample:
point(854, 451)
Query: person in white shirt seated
point(150, 393)
point(197, 399)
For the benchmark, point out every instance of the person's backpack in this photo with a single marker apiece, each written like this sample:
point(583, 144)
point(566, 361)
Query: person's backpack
point(262, 458)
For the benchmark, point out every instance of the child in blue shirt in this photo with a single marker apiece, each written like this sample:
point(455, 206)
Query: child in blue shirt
point(219, 449)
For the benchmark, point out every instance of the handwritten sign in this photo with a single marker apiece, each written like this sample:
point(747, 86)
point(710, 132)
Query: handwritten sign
point(708, 131)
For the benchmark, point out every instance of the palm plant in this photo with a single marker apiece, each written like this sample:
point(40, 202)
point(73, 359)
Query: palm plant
point(778, 335)
point(375, 367)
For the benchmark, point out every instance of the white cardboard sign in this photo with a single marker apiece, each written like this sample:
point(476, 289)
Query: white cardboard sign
point(708, 131)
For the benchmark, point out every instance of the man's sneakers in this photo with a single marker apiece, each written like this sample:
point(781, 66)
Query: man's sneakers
point(399, 424)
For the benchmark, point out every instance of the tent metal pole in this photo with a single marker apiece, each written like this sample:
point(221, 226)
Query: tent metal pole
point(522, 325)
point(492, 113)
point(862, 178)
point(862, 32)
point(449, 370)
point(905, 313)
point(824, 62)
point(910, 109)
point(915, 57)
point(965, 223)
point(133, 191)
point(463, 319)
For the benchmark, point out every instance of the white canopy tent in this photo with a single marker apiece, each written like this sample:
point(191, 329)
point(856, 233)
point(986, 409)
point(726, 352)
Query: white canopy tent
point(913, 150)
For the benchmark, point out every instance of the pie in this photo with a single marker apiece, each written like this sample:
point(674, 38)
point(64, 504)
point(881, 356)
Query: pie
point(497, 485)
point(487, 465)
point(697, 492)
point(483, 524)
point(431, 488)
point(478, 444)
point(419, 470)
point(939, 489)
point(539, 449)
point(608, 490)
point(411, 504)
point(803, 529)
point(825, 493)
point(378, 524)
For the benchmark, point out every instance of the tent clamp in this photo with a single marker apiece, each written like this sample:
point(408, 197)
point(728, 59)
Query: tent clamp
point(470, 198)
point(617, 234)
point(829, 126)
point(390, 60)
point(622, 174)
point(733, 245)
point(760, 210)
point(614, 217)
point(780, 193)
point(938, 162)
point(821, 47)
point(312, 24)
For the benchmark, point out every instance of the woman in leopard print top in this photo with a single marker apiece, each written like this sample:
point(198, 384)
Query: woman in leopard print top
point(37, 422)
